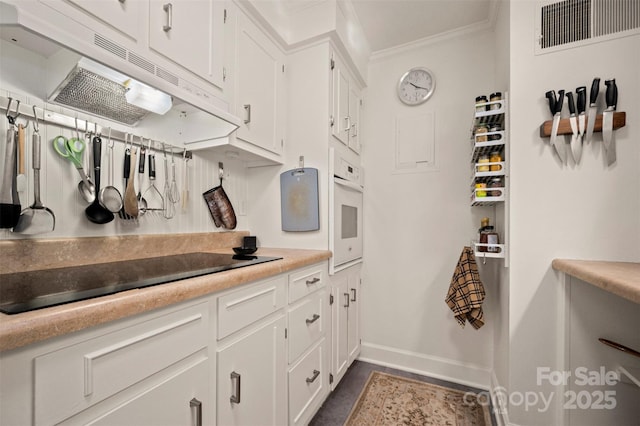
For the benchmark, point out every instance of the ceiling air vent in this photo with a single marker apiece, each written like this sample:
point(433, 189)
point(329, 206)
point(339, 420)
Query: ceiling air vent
point(572, 23)
point(110, 46)
point(142, 63)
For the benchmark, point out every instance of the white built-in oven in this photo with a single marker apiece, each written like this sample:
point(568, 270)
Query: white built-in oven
point(345, 221)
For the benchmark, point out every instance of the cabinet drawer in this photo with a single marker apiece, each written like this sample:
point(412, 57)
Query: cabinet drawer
point(76, 377)
point(306, 282)
point(306, 324)
point(306, 385)
point(240, 308)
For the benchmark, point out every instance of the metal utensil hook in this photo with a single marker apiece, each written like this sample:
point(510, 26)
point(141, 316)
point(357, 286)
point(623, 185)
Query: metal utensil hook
point(220, 171)
point(77, 131)
point(12, 118)
point(110, 141)
point(36, 125)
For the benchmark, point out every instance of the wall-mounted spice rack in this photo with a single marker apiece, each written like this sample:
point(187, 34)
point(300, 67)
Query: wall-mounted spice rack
point(564, 127)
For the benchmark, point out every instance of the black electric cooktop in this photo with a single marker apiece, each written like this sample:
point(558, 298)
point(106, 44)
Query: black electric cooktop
point(27, 291)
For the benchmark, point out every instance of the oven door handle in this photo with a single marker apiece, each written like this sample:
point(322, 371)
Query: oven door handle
point(348, 184)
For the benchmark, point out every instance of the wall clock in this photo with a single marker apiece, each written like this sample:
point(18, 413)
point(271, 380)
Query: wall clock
point(416, 86)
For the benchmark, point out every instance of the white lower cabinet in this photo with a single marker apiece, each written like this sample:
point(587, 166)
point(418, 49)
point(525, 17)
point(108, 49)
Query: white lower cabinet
point(345, 320)
point(308, 384)
point(252, 377)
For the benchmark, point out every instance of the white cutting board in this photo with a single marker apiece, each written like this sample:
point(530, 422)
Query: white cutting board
point(299, 200)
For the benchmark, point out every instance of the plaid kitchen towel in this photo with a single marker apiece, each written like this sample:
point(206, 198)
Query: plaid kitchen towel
point(466, 292)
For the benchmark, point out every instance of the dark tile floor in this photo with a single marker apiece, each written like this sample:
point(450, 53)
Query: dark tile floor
point(337, 407)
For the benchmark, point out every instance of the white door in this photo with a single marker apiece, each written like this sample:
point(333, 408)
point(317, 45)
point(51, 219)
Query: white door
point(353, 332)
point(190, 34)
point(120, 15)
point(341, 126)
point(340, 327)
point(259, 87)
point(251, 379)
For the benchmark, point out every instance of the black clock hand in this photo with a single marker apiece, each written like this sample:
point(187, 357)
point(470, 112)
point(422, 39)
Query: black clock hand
point(418, 87)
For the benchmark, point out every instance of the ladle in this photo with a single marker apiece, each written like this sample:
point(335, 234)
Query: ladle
point(95, 212)
point(36, 219)
point(109, 196)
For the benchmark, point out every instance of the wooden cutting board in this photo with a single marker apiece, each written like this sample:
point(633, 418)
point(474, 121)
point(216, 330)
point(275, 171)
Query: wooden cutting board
point(299, 200)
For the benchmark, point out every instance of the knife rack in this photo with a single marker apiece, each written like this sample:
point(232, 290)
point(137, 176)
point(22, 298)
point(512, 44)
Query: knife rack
point(564, 127)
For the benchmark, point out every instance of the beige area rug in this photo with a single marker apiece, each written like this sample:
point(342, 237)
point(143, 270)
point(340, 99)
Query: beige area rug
point(388, 400)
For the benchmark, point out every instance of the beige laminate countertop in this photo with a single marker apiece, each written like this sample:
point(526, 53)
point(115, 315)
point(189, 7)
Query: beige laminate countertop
point(29, 327)
point(619, 278)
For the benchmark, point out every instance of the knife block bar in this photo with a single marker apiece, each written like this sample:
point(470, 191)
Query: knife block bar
point(564, 128)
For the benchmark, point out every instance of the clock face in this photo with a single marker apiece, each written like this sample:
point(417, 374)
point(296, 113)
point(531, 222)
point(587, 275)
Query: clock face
point(416, 86)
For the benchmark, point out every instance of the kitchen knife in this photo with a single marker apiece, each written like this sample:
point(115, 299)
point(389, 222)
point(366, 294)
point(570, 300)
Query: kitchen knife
point(555, 106)
point(607, 121)
point(573, 121)
point(582, 119)
point(593, 108)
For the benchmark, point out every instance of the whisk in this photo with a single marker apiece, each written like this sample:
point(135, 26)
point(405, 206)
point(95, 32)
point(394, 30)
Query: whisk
point(169, 208)
point(174, 194)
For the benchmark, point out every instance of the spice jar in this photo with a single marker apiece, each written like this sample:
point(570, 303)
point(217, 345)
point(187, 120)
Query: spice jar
point(480, 190)
point(480, 103)
point(495, 128)
point(495, 183)
point(481, 134)
point(484, 222)
point(495, 158)
point(489, 236)
point(497, 96)
point(482, 160)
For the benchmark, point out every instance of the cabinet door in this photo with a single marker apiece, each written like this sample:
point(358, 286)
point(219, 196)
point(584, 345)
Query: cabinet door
point(190, 34)
point(259, 87)
point(353, 332)
point(340, 327)
point(122, 16)
point(173, 402)
point(251, 379)
point(354, 119)
point(341, 126)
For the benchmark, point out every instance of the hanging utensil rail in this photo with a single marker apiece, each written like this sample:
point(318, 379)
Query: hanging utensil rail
point(74, 123)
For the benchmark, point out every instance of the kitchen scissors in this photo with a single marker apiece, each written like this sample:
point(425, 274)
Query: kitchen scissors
point(71, 149)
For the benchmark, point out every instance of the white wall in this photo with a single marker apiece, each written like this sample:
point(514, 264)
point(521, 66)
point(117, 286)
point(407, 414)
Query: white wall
point(589, 211)
point(21, 76)
point(416, 224)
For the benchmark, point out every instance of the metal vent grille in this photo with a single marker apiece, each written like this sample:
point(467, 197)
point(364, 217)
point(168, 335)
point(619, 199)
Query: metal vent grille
point(165, 75)
point(97, 95)
point(141, 62)
point(110, 46)
point(572, 23)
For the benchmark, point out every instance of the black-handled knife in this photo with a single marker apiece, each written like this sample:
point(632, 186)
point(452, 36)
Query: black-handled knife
point(593, 108)
point(612, 94)
point(571, 103)
point(581, 93)
point(551, 96)
point(560, 101)
point(555, 106)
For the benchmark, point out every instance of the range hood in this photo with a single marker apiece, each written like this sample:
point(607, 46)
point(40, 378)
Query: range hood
point(68, 77)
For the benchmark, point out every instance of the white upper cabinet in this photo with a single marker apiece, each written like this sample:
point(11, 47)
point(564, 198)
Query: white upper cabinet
point(259, 87)
point(345, 106)
point(190, 34)
point(120, 15)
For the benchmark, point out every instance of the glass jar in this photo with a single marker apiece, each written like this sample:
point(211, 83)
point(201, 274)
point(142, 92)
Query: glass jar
point(497, 96)
point(480, 103)
point(496, 182)
point(481, 190)
point(489, 236)
point(495, 128)
point(484, 159)
point(481, 134)
point(495, 158)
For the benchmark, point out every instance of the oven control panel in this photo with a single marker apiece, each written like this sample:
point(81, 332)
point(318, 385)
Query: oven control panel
point(347, 171)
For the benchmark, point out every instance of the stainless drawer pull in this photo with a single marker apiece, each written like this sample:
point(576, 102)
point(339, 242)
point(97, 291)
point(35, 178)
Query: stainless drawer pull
point(313, 281)
point(353, 294)
point(168, 8)
point(235, 398)
point(313, 378)
point(247, 108)
point(346, 298)
point(313, 319)
point(194, 403)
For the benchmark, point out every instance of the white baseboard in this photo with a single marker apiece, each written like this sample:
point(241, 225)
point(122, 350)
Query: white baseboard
point(440, 368)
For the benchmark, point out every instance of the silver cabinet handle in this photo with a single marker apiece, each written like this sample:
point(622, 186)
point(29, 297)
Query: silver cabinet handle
point(235, 398)
point(168, 8)
point(313, 281)
point(313, 378)
point(247, 108)
point(354, 126)
point(313, 319)
point(353, 294)
point(347, 120)
point(194, 403)
point(346, 300)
